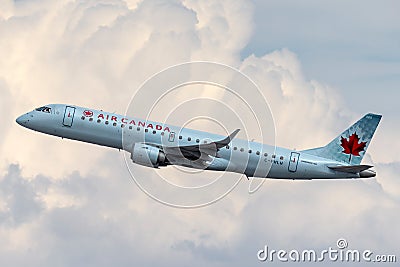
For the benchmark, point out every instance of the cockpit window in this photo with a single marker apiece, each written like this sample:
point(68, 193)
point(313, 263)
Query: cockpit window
point(44, 109)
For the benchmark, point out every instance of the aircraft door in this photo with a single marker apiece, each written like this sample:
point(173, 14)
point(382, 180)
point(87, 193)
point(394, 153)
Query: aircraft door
point(68, 116)
point(294, 161)
point(171, 137)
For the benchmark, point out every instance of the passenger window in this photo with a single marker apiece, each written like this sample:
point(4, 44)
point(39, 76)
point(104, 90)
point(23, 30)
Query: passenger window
point(138, 129)
point(197, 140)
point(180, 137)
point(130, 127)
point(146, 130)
point(189, 139)
point(106, 122)
point(83, 118)
point(98, 121)
point(227, 146)
point(162, 133)
point(242, 149)
point(154, 132)
point(91, 119)
point(281, 158)
point(258, 153)
point(249, 150)
point(273, 156)
point(265, 154)
point(122, 125)
point(114, 124)
point(235, 148)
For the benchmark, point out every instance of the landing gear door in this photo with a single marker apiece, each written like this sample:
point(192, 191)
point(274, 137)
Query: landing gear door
point(294, 160)
point(68, 116)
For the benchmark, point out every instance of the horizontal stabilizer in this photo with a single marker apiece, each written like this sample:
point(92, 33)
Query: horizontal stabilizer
point(351, 168)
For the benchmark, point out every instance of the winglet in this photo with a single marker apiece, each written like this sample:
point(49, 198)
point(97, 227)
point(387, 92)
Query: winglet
point(227, 140)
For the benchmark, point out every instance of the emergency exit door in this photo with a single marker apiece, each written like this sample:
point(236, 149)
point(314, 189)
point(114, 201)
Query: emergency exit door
point(68, 116)
point(171, 137)
point(294, 160)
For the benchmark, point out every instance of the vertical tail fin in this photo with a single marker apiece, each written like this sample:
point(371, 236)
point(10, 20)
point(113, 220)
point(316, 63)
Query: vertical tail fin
point(351, 146)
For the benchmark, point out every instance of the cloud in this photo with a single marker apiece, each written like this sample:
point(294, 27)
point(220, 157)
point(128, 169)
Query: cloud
point(296, 102)
point(6, 103)
point(388, 177)
point(97, 220)
point(21, 200)
point(86, 52)
point(69, 203)
point(356, 55)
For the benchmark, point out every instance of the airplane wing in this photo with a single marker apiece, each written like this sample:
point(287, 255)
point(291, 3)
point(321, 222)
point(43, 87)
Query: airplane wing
point(351, 168)
point(198, 154)
point(202, 151)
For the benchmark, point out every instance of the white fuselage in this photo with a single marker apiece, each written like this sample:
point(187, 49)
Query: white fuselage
point(121, 132)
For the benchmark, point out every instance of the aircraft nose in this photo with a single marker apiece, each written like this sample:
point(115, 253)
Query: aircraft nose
point(22, 120)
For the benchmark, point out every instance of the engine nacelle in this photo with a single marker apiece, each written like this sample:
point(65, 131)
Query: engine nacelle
point(147, 155)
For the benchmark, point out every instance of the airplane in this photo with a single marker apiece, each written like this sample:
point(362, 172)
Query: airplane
point(153, 144)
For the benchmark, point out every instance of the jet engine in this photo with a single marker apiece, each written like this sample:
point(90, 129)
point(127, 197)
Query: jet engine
point(148, 156)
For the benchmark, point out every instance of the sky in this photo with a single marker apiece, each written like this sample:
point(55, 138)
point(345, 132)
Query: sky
point(319, 65)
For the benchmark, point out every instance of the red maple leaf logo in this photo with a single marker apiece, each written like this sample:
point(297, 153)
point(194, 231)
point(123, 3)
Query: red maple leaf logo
point(352, 146)
point(88, 113)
